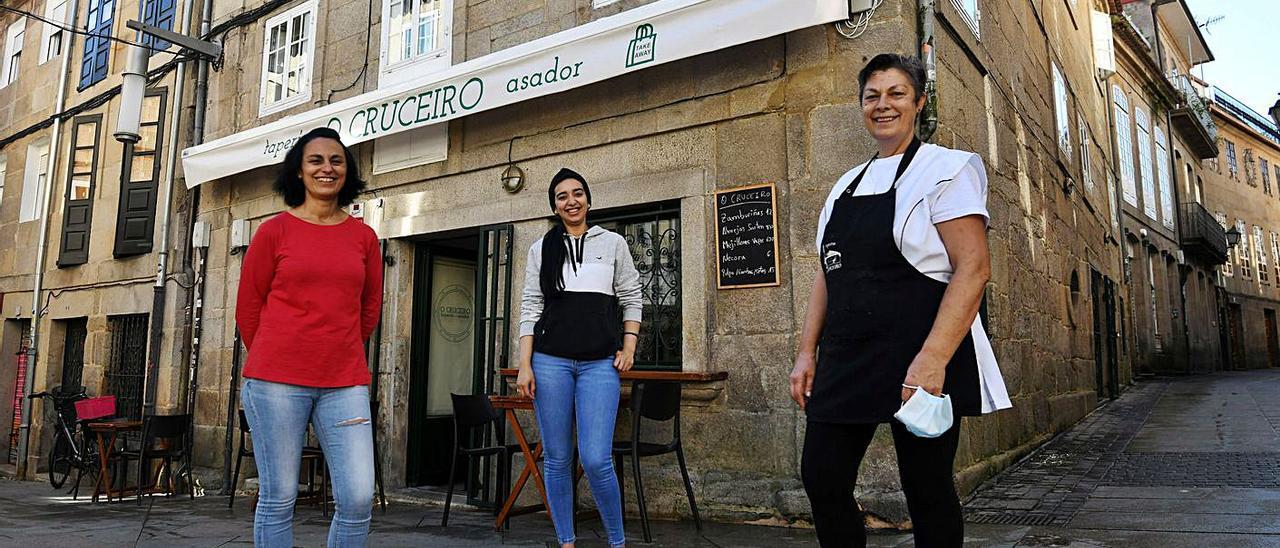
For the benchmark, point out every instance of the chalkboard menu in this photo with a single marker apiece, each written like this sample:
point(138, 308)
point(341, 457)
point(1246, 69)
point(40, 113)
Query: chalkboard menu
point(747, 237)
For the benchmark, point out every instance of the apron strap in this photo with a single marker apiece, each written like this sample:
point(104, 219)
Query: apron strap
point(907, 157)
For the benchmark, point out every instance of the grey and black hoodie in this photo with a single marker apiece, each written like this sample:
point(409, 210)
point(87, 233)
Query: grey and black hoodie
point(582, 323)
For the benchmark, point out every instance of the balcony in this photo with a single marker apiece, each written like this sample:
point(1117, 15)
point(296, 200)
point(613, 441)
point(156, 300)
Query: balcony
point(1192, 119)
point(1202, 237)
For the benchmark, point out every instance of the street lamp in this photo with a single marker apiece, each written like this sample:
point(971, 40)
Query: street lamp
point(135, 75)
point(1233, 237)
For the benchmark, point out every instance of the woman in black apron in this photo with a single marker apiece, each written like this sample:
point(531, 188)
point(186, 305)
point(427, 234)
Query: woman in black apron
point(877, 327)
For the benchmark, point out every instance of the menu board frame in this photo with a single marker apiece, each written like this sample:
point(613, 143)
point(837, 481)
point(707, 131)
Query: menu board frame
point(716, 208)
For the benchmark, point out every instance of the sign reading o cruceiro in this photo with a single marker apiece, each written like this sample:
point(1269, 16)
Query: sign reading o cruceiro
point(452, 314)
point(411, 110)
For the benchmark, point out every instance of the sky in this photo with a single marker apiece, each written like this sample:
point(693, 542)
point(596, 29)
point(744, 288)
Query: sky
point(1244, 45)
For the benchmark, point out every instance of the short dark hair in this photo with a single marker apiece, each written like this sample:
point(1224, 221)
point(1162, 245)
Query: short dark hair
point(913, 68)
point(289, 186)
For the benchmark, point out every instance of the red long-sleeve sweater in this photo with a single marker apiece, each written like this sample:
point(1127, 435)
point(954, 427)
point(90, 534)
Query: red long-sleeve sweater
point(310, 296)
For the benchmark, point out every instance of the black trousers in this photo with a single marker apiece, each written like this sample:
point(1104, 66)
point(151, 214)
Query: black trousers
point(829, 468)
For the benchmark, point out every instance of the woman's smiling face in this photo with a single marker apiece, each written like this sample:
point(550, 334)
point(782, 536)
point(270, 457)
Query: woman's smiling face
point(890, 104)
point(571, 202)
point(324, 168)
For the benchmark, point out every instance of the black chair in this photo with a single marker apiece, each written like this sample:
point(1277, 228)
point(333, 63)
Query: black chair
point(471, 412)
point(310, 455)
point(657, 401)
point(173, 431)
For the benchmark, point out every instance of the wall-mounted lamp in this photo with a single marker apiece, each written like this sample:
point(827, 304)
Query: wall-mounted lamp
point(512, 179)
point(1233, 237)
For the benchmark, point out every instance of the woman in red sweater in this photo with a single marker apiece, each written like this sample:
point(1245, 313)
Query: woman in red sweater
point(310, 295)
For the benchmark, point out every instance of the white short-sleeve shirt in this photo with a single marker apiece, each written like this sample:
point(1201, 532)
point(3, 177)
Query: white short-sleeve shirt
point(940, 185)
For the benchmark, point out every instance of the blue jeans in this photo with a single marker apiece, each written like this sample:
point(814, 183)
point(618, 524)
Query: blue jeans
point(562, 386)
point(278, 415)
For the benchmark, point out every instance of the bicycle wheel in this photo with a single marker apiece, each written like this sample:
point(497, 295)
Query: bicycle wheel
point(59, 461)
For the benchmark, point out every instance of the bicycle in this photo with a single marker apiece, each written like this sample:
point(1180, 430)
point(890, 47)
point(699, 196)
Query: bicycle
point(69, 448)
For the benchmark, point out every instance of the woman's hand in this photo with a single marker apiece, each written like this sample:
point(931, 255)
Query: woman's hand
point(802, 377)
point(525, 385)
point(927, 372)
point(624, 359)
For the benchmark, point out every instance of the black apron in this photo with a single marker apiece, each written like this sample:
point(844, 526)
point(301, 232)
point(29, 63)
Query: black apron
point(879, 313)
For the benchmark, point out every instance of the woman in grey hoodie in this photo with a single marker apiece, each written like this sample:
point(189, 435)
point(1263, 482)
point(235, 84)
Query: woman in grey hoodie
point(572, 348)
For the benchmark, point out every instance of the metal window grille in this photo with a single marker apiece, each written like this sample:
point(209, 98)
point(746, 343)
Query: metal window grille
point(77, 331)
point(127, 367)
point(653, 236)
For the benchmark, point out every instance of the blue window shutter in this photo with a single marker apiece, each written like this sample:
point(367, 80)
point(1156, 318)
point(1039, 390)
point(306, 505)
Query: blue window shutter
point(97, 49)
point(158, 13)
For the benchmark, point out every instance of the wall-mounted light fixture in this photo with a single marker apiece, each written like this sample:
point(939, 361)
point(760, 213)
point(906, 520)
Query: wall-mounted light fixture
point(512, 179)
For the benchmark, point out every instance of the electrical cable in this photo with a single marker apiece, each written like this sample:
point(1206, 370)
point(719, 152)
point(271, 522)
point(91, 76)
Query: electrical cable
point(74, 30)
point(850, 28)
point(368, 40)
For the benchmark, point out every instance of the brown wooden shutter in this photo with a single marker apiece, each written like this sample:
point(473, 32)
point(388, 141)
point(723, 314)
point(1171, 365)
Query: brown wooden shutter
point(77, 215)
point(139, 173)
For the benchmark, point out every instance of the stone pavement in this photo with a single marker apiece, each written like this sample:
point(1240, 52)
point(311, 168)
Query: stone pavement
point(1186, 462)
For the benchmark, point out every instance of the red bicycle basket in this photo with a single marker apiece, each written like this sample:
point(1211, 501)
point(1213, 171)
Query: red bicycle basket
point(96, 408)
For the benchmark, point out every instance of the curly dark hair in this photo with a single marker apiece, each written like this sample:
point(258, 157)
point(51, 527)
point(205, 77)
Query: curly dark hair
point(290, 187)
point(913, 68)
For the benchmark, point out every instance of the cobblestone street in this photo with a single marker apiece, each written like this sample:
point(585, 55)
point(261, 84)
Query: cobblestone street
point(1184, 462)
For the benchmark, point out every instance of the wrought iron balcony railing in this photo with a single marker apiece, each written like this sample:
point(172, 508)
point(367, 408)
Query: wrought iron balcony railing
point(1202, 236)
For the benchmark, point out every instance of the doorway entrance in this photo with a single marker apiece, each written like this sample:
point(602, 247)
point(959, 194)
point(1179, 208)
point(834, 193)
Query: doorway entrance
point(461, 303)
point(1235, 333)
point(1273, 346)
point(1105, 354)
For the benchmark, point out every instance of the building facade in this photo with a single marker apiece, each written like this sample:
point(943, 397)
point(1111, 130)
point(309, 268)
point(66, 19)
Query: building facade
point(1161, 133)
point(1240, 187)
point(94, 201)
point(657, 143)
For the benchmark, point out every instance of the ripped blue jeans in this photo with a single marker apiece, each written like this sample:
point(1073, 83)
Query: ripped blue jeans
point(278, 415)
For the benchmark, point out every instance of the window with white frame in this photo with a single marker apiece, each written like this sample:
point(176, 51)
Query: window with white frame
point(1260, 254)
point(53, 36)
point(1245, 256)
point(1232, 166)
point(1275, 254)
point(1228, 268)
point(1060, 110)
point(288, 43)
point(13, 38)
point(34, 180)
point(416, 31)
point(1145, 163)
point(971, 12)
point(1165, 179)
point(1124, 146)
point(1086, 167)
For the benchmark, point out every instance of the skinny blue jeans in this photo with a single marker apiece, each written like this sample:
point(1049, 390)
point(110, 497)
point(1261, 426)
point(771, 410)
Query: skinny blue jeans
point(561, 387)
point(278, 415)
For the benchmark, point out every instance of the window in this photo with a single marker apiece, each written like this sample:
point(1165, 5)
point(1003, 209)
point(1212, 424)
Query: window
point(135, 218)
point(1275, 254)
point(971, 13)
point(1060, 110)
point(1144, 160)
point(51, 42)
point(1265, 171)
point(1086, 169)
point(1260, 254)
point(34, 181)
point(1249, 168)
point(77, 211)
point(1124, 146)
point(97, 47)
point(3, 165)
point(653, 235)
point(1245, 254)
point(416, 30)
point(286, 59)
point(1228, 268)
point(157, 13)
point(1165, 181)
point(13, 51)
point(1232, 166)
point(126, 367)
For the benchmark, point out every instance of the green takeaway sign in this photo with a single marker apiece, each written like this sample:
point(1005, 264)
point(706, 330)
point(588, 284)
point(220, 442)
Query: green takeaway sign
point(640, 51)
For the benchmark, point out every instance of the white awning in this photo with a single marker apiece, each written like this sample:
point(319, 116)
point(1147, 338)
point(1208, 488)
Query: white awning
point(653, 34)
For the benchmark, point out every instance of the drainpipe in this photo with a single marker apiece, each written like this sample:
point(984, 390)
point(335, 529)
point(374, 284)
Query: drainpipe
point(156, 322)
point(24, 435)
point(929, 117)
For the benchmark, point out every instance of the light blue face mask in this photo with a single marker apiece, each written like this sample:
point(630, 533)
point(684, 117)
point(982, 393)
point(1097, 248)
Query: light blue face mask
point(925, 414)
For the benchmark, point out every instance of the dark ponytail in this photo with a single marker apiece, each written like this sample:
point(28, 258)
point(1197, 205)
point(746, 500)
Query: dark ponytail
point(551, 273)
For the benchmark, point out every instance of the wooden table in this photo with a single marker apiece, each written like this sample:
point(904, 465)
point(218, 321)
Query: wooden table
point(509, 405)
point(107, 431)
